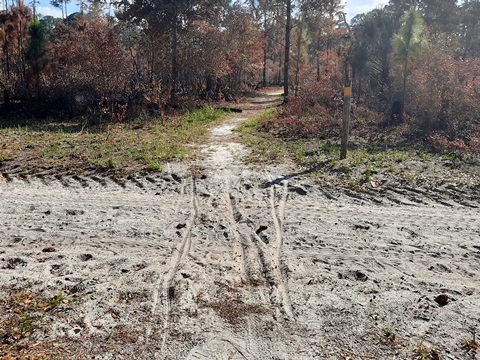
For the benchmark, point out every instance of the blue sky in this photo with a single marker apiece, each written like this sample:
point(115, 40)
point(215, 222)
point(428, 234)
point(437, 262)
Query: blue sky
point(44, 8)
point(352, 7)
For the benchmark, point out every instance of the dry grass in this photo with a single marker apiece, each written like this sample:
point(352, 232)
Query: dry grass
point(22, 334)
point(234, 312)
point(471, 344)
point(230, 306)
point(25, 328)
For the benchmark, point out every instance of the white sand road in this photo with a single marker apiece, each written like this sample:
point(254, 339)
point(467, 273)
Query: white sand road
point(243, 264)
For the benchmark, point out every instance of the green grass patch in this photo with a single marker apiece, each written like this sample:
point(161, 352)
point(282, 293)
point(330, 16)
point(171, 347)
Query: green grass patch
point(121, 147)
point(367, 163)
point(249, 126)
point(265, 147)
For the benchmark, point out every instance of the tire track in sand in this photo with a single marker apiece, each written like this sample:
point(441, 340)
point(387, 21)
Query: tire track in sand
point(261, 260)
point(278, 220)
point(240, 247)
point(162, 292)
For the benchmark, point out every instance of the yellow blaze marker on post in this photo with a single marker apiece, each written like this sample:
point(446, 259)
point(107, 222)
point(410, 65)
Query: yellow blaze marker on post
point(348, 91)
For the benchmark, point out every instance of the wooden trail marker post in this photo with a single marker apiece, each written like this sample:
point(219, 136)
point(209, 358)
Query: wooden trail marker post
point(347, 94)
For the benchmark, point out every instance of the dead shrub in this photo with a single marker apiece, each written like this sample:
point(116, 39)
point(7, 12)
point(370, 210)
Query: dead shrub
point(457, 146)
point(234, 312)
point(311, 114)
point(444, 93)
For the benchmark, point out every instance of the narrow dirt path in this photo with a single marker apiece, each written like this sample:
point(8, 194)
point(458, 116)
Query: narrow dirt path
point(223, 150)
point(234, 263)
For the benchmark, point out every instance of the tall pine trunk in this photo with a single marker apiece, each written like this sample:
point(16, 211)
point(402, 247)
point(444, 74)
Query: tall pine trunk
point(174, 58)
point(299, 54)
point(286, 64)
point(265, 45)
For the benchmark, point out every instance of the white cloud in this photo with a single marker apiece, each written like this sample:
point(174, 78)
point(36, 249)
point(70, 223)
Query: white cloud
point(49, 10)
point(354, 7)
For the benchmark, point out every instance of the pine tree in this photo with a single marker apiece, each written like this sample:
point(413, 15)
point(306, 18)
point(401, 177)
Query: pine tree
point(35, 52)
point(406, 43)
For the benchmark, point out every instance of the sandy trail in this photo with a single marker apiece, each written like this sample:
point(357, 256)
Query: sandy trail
point(243, 264)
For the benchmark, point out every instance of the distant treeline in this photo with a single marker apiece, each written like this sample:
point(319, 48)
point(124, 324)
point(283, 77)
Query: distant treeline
point(412, 63)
